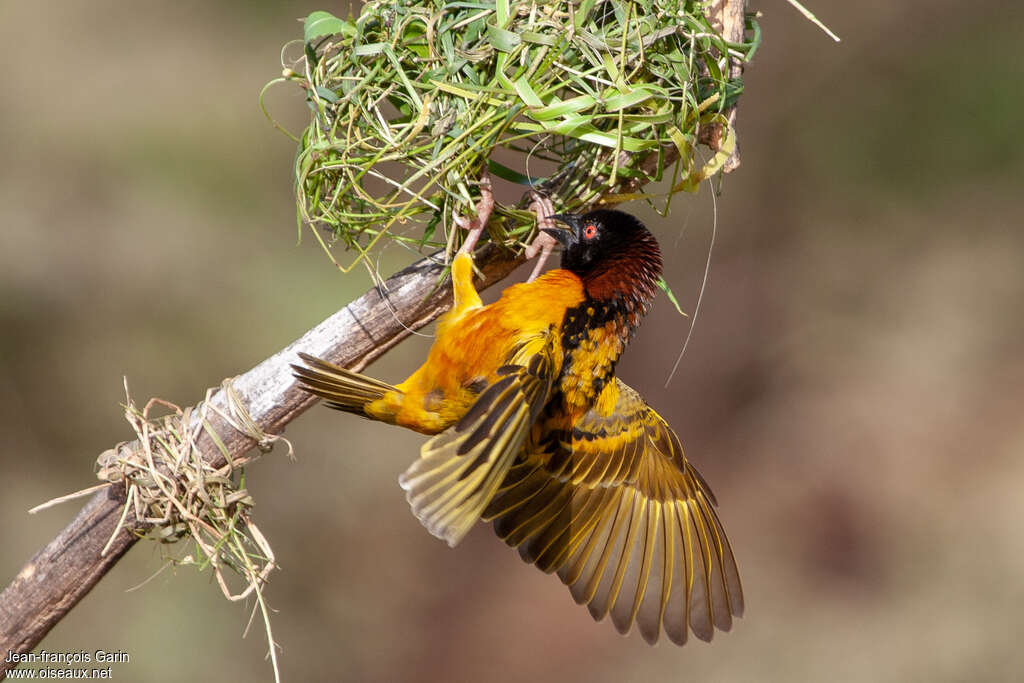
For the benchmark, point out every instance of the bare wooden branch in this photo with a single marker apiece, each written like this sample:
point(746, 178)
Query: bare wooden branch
point(64, 571)
point(729, 17)
point(60, 575)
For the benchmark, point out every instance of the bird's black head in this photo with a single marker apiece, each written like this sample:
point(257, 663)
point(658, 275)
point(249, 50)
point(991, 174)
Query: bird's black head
point(609, 249)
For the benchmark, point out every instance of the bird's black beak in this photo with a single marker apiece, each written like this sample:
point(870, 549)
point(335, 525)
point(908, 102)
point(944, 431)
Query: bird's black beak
point(565, 236)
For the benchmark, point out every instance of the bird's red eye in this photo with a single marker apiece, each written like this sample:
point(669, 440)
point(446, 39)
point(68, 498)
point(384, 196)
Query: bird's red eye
point(590, 232)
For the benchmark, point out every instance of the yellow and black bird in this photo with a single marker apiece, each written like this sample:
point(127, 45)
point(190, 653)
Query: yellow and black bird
point(534, 432)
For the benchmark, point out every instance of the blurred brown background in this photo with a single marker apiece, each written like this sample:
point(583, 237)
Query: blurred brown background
point(852, 390)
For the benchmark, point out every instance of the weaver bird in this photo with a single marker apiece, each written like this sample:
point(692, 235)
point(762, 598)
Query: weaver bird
point(534, 432)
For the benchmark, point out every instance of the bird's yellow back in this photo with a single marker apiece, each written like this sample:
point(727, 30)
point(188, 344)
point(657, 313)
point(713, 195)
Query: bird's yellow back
point(472, 343)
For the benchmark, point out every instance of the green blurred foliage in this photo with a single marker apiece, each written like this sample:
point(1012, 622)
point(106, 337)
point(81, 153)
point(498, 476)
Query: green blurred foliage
point(852, 390)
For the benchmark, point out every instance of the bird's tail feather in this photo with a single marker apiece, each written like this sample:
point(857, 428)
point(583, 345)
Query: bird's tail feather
point(340, 388)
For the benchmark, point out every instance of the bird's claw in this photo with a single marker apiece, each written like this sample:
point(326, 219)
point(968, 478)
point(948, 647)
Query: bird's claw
point(543, 244)
point(474, 227)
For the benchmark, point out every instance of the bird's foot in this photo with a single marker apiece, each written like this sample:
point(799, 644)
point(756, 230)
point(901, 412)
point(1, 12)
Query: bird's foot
point(543, 243)
point(474, 227)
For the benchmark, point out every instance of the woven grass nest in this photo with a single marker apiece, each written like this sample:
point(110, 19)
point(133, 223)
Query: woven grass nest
point(412, 102)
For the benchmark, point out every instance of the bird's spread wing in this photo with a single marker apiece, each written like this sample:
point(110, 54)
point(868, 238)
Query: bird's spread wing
point(629, 525)
point(460, 469)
